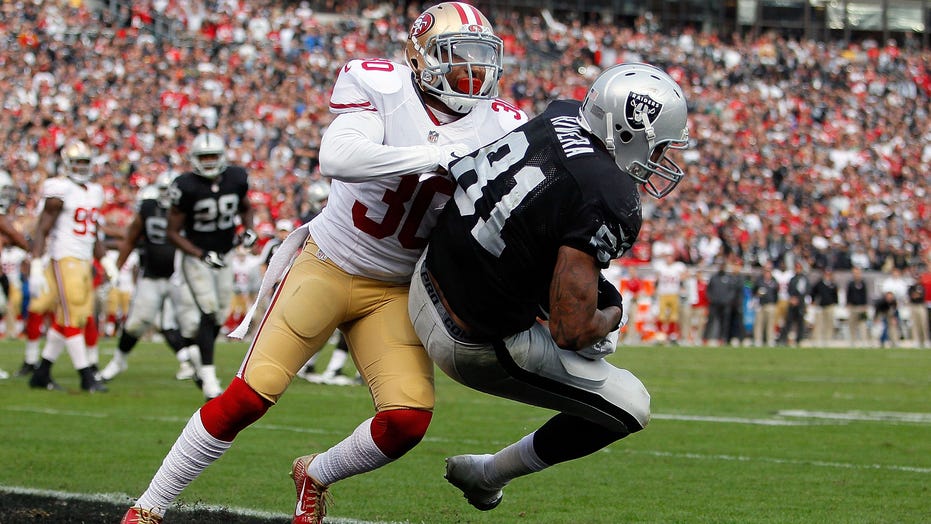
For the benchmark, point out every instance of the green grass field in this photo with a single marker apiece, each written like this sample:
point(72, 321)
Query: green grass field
point(739, 435)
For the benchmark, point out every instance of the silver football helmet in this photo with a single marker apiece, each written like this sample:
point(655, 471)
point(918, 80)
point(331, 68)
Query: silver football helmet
point(455, 35)
point(7, 192)
point(76, 158)
point(163, 186)
point(639, 113)
point(208, 155)
point(317, 194)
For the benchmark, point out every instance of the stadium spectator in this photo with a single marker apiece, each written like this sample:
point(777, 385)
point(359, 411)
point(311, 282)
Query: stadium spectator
point(857, 303)
point(917, 312)
point(799, 295)
point(824, 298)
point(765, 292)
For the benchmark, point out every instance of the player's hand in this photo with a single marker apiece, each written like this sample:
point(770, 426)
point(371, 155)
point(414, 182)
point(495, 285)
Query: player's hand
point(248, 238)
point(38, 285)
point(450, 153)
point(213, 260)
point(603, 347)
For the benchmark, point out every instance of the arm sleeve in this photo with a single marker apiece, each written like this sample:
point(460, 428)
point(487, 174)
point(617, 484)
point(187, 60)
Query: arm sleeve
point(352, 151)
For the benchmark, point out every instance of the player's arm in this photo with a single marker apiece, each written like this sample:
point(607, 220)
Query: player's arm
point(352, 150)
point(128, 244)
point(12, 234)
point(50, 211)
point(246, 214)
point(176, 219)
point(575, 321)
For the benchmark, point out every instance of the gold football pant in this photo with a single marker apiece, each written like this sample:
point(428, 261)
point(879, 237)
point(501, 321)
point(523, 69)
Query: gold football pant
point(316, 297)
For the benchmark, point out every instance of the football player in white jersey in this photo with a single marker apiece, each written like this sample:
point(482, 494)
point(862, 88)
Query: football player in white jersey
point(669, 276)
point(67, 233)
point(10, 236)
point(397, 128)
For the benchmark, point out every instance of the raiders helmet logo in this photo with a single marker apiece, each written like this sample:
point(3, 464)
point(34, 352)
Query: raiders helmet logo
point(423, 24)
point(639, 106)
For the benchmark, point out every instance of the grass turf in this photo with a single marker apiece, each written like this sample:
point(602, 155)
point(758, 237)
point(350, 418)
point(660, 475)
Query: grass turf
point(741, 435)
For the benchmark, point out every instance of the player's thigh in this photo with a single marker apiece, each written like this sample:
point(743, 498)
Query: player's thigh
point(201, 284)
point(145, 307)
point(223, 287)
point(113, 301)
point(187, 314)
point(541, 374)
point(48, 300)
point(77, 290)
point(305, 310)
point(387, 351)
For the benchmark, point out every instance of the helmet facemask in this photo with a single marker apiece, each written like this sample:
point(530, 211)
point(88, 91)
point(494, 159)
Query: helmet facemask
point(455, 55)
point(208, 155)
point(77, 162)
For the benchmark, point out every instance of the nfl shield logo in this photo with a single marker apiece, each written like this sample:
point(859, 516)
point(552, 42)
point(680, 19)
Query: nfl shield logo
point(432, 137)
point(640, 106)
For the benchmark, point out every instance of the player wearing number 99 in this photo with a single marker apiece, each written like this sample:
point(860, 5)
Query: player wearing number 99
point(206, 204)
point(535, 217)
point(67, 227)
point(396, 130)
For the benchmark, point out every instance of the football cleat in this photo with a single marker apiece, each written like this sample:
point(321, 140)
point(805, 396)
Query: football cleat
point(95, 387)
point(26, 369)
point(185, 371)
point(140, 516)
point(4, 375)
point(467, 472)
point(312, 497)
point(112, 369)
point(337, 379)
point(47, 384)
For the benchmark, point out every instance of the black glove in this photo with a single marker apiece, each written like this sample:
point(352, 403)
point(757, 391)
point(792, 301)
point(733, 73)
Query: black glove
point(608, 295)
point(213, 260)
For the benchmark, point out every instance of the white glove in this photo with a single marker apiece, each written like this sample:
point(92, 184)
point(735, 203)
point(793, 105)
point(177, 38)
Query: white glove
point(603, 347)
point(248, 238)
point(450, 153)
point(109, 267)
point(37, 284)
point(213, 260)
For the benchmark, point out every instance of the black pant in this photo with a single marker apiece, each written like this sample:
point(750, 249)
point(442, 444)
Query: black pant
point(795, 319)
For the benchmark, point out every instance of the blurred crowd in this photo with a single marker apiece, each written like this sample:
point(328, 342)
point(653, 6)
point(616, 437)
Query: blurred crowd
point(803, 151)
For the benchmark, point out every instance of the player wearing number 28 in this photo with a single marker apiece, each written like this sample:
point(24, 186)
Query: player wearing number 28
point(397, 128)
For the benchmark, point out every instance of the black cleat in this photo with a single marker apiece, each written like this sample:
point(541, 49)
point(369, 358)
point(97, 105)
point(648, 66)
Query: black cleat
point(25, 370)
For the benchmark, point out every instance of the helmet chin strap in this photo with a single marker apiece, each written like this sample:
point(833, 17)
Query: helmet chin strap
point(609, 133)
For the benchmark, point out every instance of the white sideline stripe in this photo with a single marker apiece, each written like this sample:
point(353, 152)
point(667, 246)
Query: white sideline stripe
point(735, 420)
point(773, 460)
point(123, 499)
point(864, 416)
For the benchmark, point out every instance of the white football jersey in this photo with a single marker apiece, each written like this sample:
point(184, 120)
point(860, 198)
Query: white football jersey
point(669, 277)
point(75, 231)
point(12, 259)
point(379, 228)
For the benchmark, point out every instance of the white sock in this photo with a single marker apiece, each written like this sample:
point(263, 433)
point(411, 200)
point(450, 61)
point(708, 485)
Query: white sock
point(337, 361)
point(77, 350)
point(356, 454)
point(514, 461)
point(32, 352)
point(190, 455)
point(93, 355)
point(54, 345)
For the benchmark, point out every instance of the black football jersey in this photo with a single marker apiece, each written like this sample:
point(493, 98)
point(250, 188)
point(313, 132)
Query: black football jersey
point(157, 254)
point(211, 207)
point(517, 201)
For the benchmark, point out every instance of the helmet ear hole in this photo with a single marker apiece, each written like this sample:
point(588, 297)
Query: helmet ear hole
point(625, 136)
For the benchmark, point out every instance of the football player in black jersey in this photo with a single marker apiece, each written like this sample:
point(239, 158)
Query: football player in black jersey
point(202, 222)
point(152, 299)
point(509, 298)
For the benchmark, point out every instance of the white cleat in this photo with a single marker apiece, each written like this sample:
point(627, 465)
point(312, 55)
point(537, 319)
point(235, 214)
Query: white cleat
point(211, 384)
point(467, 472)
point(185, 371)
point(333, 379)
point(112, 369)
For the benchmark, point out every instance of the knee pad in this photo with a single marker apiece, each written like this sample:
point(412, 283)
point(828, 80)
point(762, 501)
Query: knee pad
point(234, 410)
point(397, 431)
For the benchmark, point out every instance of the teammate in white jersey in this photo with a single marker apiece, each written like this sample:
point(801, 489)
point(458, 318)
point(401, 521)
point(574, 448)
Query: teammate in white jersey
point(670, 273)
point(67, 234)
point(396, 130)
